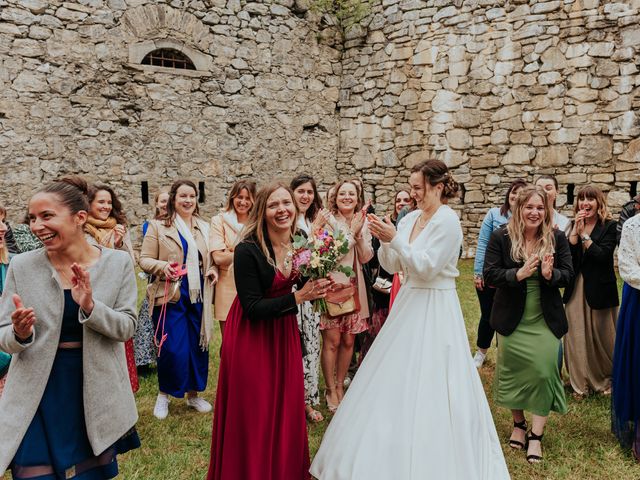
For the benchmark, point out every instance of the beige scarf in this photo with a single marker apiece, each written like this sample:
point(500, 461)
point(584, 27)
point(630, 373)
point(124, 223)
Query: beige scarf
point(101, 230)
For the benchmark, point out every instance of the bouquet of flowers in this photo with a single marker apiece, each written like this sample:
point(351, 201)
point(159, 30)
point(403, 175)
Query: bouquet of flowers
point(315, 257)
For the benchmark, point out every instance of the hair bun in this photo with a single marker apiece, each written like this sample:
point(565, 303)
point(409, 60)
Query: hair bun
point(451, 187)
point(75, 181)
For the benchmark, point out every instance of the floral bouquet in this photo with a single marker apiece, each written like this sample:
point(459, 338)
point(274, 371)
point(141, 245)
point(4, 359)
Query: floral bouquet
point(315, 257)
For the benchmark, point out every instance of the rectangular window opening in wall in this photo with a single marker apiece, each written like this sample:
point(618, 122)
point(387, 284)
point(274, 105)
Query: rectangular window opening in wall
point(633, 189)
point(570, 195)
point(201, 195)
point(144, 192)
point(462, 193)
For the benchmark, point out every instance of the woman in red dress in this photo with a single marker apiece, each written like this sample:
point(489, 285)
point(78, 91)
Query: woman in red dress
point(259, 427)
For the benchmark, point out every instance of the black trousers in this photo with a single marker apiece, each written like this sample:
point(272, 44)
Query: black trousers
point(485, 331)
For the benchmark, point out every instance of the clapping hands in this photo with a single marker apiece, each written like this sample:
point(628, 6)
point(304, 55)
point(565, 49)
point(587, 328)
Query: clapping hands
point(23, 319)
point(383, 230)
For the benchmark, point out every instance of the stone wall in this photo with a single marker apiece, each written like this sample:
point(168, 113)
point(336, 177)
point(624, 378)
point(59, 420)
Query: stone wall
point(497, 90)
point(74, 97)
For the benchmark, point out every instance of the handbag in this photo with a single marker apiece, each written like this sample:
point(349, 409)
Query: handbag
point(342, 300)
point(382, 285)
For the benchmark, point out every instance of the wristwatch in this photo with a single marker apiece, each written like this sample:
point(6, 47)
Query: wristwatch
point(585, 237)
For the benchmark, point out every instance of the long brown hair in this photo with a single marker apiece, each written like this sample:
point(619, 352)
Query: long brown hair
point(171, 207)
point(593, 193)
point(412, 203)
point(545, 242)
point(256, 226)
point(248, 185)
point(316, 205)
point(116, 206)
point(517, 184)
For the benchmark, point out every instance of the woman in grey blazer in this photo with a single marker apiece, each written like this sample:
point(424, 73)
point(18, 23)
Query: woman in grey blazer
point(67, 408)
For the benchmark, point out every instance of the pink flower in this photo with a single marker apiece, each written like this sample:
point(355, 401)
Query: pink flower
point(303, 257)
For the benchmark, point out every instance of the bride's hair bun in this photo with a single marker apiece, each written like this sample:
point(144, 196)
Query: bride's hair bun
point(435, 172)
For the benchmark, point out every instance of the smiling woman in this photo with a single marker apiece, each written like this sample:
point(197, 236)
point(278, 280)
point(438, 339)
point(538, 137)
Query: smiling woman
point(175, 251)
point(66, 407)
point(259, 429)
point(528, 261)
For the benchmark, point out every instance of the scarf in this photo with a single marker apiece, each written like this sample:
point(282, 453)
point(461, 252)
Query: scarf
point(193, 275)
point(101, 230)
point(231, 219)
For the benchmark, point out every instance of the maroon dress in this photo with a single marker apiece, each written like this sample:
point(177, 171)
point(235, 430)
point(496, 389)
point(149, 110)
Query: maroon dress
point(259, 426)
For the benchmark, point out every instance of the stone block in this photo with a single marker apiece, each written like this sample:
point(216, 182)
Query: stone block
point(473, 196)
point(506, 113)
point(632, 153)
point(553, 59)
point(415, 158)
point(408, 97)
point(602, 49)
point(518, 155)
point(401, 53)
point(28, 81)
point(485, 161)
point(453, 158)
point(565, 135)
point(583, 94)
point(459, 139)
point(552, 156)
point(466, 118)
point(446, 101)
point(593, 150)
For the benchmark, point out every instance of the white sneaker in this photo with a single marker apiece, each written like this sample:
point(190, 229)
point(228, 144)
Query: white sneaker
point(200, 404)
point(161, 410)
point(478, 358)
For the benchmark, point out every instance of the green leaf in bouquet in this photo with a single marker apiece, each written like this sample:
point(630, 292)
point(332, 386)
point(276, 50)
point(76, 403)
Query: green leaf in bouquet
point(347, 270)
point(299, 241)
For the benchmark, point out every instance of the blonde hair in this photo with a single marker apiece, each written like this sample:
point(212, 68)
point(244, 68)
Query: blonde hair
point(545, 242)
point(593, 193)
point(4, 251)
point(256, 226)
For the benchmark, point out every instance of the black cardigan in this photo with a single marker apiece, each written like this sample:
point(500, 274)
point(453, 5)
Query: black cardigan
point(596, 265)
point(254, 276)
point(509, 301)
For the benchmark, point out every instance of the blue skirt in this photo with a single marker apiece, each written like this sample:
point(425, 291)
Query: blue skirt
point(625, 386)
point(56, 445)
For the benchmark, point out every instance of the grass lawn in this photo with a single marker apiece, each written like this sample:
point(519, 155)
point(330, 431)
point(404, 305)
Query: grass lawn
point(578, 445)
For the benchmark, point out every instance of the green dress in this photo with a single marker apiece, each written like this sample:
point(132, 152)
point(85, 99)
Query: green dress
point(527, 376)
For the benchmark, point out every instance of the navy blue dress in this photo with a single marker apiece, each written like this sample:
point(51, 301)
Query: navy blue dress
point(56, 445)
point(182, 365)
point(625, 384)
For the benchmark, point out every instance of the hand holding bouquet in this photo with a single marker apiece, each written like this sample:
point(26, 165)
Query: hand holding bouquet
point(319, 255)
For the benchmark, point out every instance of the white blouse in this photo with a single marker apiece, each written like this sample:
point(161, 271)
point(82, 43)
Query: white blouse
point(629, 252)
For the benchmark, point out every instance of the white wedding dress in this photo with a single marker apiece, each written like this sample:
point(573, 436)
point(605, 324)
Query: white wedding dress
point(416, 409)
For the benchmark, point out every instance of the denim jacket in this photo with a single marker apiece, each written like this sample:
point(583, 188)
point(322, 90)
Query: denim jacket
point(492, 221)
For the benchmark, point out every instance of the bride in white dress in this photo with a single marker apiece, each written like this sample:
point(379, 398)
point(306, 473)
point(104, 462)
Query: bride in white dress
point(416, 409)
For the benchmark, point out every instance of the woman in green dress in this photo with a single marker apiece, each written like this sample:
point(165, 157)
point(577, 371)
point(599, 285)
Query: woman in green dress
point(528, 261)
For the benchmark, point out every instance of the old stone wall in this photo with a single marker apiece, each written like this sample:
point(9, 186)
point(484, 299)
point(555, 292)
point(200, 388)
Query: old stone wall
point(497, 89)
point(74, 97)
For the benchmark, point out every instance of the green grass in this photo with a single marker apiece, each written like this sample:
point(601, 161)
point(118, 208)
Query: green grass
point(577, 445)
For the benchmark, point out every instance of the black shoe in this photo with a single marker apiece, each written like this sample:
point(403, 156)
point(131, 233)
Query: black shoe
point(530, 457)
point(515, 444)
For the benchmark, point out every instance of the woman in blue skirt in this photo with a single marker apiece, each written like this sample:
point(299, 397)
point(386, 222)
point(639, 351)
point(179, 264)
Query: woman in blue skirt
point(626, 356)
point(67, 409)
point(175, 251)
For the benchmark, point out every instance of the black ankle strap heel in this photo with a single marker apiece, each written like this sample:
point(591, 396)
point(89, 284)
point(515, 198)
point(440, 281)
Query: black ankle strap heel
point(515, 444)
point(534, 458)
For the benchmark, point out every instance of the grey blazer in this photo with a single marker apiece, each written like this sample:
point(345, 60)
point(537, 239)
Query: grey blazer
point(109, 406)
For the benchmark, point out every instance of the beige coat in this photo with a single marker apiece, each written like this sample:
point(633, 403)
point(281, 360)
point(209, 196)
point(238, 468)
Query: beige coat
point(223, 236)
point(109, 406)
point(159, 244)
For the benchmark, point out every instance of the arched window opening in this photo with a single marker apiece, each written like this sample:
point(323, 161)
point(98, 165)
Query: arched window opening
point(168, 57)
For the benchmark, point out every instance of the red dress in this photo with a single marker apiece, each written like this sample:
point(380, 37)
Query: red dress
point(259, 426)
